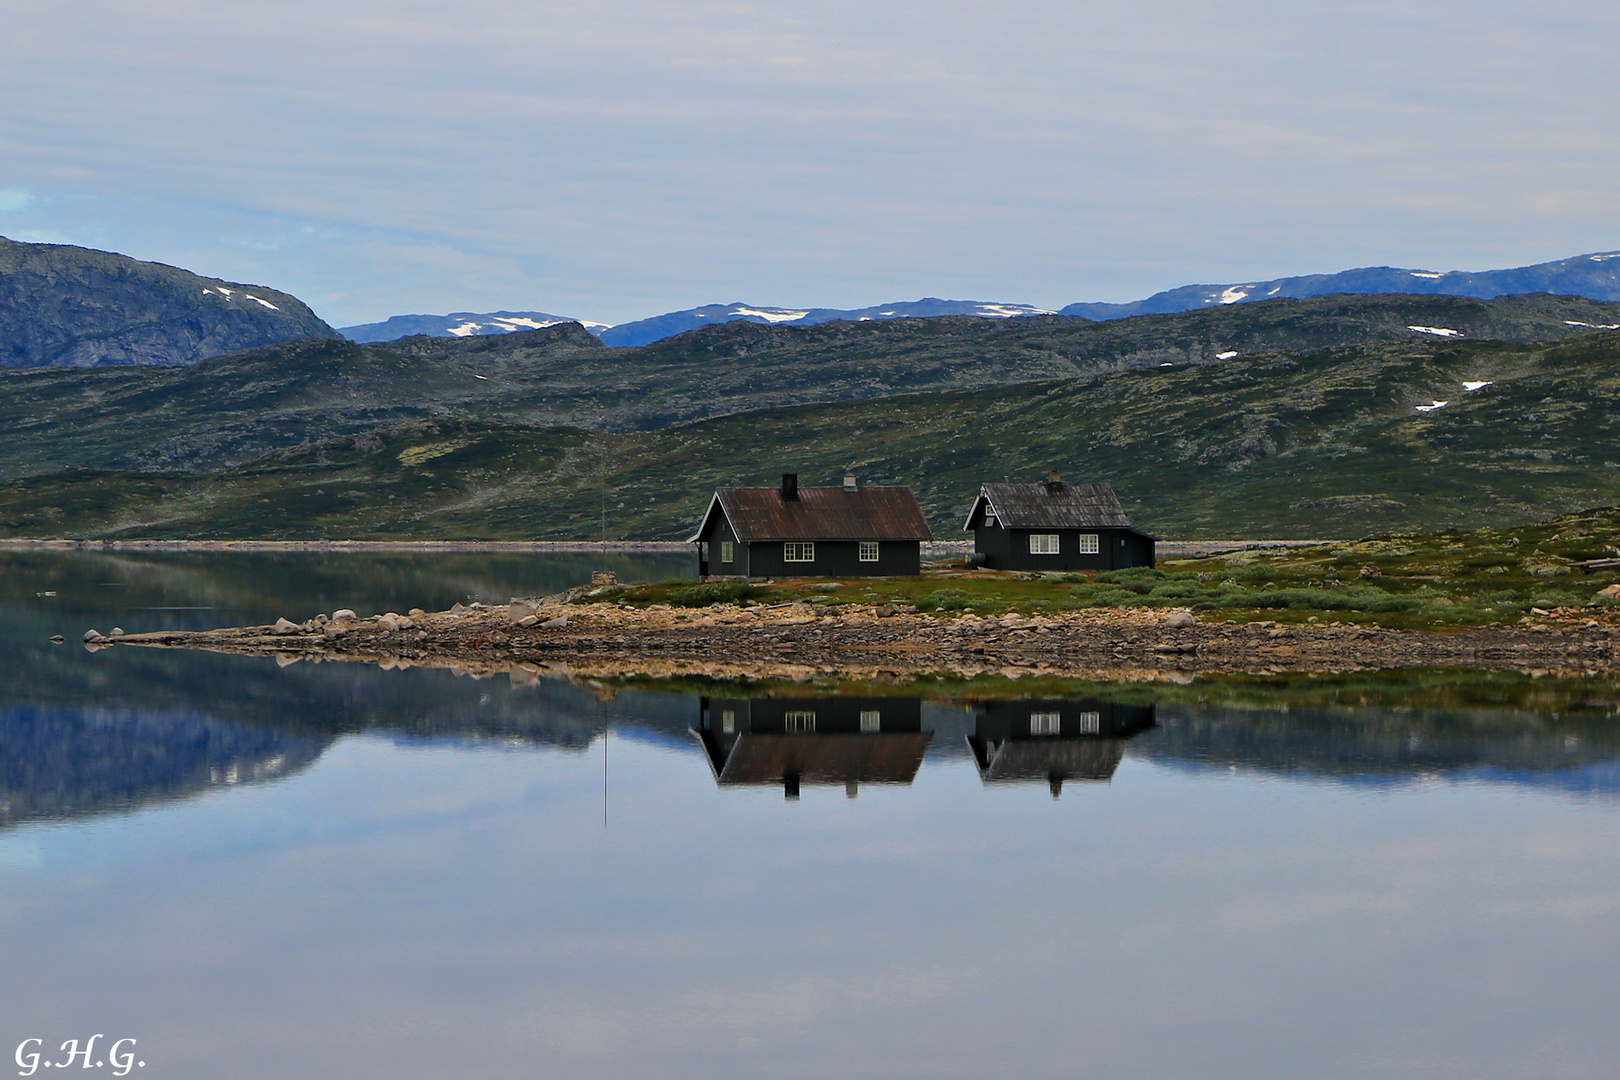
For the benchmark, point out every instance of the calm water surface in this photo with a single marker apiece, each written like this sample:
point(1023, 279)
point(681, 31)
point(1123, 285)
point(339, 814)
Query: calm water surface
point(332, 870)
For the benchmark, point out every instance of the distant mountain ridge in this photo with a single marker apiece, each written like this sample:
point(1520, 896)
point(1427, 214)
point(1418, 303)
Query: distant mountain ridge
point(1594, 276)
point(65, 306)
point(458, 324)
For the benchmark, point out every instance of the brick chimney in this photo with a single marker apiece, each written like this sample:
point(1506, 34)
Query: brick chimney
point(1054, 483)
point(790, 487)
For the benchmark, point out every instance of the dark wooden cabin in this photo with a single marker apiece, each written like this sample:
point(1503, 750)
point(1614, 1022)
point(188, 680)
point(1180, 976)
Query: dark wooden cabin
point(793, 531)
point(829, 740)
point(1053, 740)
point(1054, 526)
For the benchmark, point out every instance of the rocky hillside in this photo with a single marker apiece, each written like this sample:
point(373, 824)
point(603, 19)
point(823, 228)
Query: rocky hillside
point(63, 306)
point(230, 409)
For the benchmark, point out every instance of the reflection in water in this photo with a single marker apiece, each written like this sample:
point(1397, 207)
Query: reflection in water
point(824, 740)
point(68, 762)
point(1053, 740)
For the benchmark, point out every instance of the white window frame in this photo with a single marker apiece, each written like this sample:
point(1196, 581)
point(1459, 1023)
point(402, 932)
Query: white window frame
point(868, 551)
point(1045, 723)
point(799, 722)
point(1089, 723)
point(799, 551)
point(871, 720)
point(1045, 543)
point(728, 551)
point(1090, 544)
point(728, 721)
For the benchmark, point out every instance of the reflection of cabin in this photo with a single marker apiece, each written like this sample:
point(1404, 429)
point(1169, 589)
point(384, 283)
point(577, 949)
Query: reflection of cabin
point(1054, 526)
point(830, 740)
point(1053, 740)
point(790, 531)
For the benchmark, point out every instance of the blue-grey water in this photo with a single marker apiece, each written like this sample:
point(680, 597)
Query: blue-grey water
point(332, 870)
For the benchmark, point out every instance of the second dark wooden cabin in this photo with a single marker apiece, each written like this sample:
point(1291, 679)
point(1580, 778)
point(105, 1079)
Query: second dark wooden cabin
point(793, 531)
point(1054, 526)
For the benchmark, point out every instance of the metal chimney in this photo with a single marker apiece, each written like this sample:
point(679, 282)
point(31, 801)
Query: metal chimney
point(1054, 482)
point(790, 487)
point(849, 482)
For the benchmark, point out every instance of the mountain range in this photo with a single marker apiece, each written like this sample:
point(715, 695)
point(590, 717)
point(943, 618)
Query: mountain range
point(1337, 415)
point(1595, 276)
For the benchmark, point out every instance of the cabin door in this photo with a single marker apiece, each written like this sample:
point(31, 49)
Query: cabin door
point(1124, 558)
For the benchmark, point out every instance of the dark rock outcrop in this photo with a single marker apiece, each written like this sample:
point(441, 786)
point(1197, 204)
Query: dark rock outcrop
point(63, 306)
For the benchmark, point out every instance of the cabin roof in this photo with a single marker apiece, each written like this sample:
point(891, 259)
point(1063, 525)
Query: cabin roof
point(1051, 506)
point(819, 513)
point(880, 757)
point(1041, 759)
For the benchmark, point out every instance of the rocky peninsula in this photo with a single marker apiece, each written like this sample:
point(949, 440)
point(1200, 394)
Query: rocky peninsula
point(800, 641)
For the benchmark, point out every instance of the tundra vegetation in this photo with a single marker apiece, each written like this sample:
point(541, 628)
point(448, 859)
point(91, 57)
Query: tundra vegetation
point(1324, 423)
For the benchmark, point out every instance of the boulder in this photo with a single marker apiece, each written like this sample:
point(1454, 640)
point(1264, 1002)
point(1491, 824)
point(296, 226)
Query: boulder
point(518, 610)
point(561, 620)
point(344, 614)
point(285, 626)
point(92, 635)
point(1181, 618)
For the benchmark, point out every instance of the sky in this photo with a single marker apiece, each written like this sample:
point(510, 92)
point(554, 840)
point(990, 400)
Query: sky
point(616, 159)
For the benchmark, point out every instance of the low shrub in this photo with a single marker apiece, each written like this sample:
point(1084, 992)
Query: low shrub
point(945, 600)
point(713, 592)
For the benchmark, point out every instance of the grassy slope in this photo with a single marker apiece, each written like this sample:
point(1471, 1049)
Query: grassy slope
point(232, 409)
point(1274, 444)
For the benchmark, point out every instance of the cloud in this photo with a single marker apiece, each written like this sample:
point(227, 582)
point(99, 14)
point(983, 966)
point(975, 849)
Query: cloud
point(13, 199)
point(623, 157)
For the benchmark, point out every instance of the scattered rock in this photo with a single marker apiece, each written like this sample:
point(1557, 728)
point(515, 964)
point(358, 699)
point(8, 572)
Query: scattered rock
point(416, 613)
point(458, 608)
point(92, 635)
point(57, 639)
point(883, 611)
point(1181, 618)
point(518, 610)
point(285, 626)
point(117, 631)
point(604, 577)
point(530, 620)
point(344, 614)
point(561, 620)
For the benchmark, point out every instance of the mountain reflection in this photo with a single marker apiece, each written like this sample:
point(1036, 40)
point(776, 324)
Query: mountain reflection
point(69, 762)
point(1053, 740)
point(822, 740)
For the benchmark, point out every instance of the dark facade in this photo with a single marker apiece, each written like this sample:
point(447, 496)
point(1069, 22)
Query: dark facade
point(1053, 739)
point(1008, 522)
point(793, 741)
point(847, 531)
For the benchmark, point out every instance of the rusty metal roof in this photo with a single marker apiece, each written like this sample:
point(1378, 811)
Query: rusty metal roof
point(1051, 506)
point(820, 513)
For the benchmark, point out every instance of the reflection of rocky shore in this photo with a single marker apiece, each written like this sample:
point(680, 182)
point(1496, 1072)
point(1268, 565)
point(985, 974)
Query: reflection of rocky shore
point(68, 762)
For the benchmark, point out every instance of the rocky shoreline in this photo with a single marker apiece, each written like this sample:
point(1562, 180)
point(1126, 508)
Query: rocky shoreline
point(800, 641)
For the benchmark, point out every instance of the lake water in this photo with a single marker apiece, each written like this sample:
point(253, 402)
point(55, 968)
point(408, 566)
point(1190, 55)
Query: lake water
point(337, 871)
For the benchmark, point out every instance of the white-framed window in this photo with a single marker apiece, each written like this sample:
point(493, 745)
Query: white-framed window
point(869, 551)
point(728, 551)
point(1045, 723)
point(799, 723)
point(1043, 543)
point(1089, 723)
point(728, 721)
point(989, 520)
point(799, 551)
point(871, 720)
point(1088, 543)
